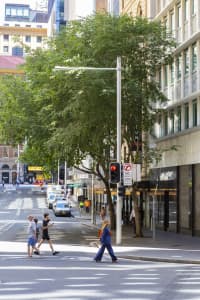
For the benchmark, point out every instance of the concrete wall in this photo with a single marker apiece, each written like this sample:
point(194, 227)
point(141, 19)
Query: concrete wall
point(184, 198)
point(197, 199)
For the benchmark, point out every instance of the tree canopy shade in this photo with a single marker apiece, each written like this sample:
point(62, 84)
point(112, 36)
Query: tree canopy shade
point(70, 115)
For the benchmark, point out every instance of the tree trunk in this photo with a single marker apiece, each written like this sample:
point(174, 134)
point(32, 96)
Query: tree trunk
point(110, 207)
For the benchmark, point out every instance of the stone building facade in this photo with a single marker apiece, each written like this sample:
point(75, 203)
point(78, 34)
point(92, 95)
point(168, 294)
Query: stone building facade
point(177, 173)
point(134, 7)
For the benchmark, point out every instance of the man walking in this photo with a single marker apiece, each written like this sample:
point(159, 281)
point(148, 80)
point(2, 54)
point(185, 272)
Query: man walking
point(31, 237)
point(45, 233)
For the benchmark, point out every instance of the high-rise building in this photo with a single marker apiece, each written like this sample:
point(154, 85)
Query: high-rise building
point(177, 173)
point(179, 122)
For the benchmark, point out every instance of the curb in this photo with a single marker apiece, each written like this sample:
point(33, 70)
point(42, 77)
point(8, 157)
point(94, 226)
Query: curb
point(159, 259)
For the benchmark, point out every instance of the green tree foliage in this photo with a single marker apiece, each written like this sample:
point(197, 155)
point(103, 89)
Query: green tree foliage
point(71, 115)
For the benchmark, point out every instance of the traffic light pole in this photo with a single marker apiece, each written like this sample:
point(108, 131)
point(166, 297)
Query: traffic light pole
point(118, 69)
point(119, 199)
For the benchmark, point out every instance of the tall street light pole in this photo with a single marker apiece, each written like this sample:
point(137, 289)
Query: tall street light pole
point(118, 70)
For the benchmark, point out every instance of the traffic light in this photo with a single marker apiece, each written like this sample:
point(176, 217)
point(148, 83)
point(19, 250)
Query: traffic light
point(121, 191)
point(115, 172)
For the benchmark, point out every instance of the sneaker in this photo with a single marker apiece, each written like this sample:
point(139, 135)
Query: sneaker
point(114, 261)
point(55, 252)
point(36, 252)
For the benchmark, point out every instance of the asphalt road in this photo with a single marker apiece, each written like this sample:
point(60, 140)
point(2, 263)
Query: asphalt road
point(73, 274)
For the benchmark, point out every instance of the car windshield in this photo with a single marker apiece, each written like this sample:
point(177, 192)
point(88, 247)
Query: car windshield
point(62, 205)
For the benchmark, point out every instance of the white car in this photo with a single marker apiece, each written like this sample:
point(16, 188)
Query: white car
point(53, 198)
point(62, 208)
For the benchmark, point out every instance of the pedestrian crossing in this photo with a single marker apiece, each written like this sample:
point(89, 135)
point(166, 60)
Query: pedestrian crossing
point(27, 203)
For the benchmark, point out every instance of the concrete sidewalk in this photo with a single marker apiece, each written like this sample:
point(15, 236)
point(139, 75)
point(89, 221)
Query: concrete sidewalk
point(166, 247)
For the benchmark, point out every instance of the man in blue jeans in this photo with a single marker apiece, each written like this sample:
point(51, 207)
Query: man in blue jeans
point(105, 238)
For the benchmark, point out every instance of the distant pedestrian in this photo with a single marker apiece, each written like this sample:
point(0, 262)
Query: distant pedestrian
point(105, 238)
point(31, 243)
point(45, 233)
point(81, 206)
point(87, 205)
point(132, 220)
point(103, 213)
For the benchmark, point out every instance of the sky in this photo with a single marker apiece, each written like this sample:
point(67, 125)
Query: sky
point(84, 7)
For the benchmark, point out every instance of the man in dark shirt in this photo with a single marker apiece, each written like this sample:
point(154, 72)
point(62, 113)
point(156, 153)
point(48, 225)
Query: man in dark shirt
point(45, 233)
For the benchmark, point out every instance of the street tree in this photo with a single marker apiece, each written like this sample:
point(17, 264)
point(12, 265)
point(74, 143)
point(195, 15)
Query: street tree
point(77, 109)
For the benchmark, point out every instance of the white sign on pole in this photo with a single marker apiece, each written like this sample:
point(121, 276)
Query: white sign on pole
point(127, 174)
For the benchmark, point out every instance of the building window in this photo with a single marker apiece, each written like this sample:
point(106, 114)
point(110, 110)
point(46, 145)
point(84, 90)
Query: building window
point(186, 115)
point(172, 72)
point(165, 76)
point(172, 21)
point(179, 119)
point(186, 10)
point(28, 38)
point(166, 123)
point(5, 152)
point(5, 49)
point(171, 117)
point(6, 37)
point(159, 133)
point(17, 51)
point(178, 8)
point(178, 67)
point(160, 78)
point(186, 61)
point(194, 7)
point(194, 113)
point(165, 22)
point(194, 57)
point(39, 39)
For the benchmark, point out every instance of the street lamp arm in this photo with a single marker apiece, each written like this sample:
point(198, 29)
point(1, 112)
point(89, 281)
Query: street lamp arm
point(62, 68)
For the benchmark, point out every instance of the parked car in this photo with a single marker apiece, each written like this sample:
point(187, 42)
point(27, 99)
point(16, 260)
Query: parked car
point(62, 208)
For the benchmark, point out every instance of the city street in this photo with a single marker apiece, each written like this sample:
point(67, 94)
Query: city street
point(73, 274)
